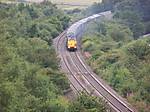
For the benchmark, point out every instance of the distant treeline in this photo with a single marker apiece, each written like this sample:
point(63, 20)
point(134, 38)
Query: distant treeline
point(133, 13)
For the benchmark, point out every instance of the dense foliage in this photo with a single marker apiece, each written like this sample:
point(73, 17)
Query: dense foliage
point(117, 51)
point(86, 103)
point(133, 13)
point(119, 59)
point(29, 72)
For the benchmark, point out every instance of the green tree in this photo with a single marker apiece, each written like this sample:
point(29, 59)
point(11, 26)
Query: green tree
point(86, 103)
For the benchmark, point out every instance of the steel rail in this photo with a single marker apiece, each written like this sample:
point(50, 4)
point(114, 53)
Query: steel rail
point(75, 63)
point(90, 76)
point(74, 67)
point(57, 44)
point(83, 73)
point(74, 81)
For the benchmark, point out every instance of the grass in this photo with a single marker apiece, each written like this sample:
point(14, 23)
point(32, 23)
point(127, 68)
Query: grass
point(7, 0)
point(68, 7)
point(78, 3)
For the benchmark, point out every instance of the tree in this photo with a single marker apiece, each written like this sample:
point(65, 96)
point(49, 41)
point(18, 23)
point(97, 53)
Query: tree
point(26, 59)
point(86, 103)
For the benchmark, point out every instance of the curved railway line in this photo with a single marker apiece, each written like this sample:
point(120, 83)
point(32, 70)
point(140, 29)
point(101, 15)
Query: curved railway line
point(82, 78)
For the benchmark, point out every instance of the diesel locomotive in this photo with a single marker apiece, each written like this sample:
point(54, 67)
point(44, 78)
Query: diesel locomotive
point(76, 30)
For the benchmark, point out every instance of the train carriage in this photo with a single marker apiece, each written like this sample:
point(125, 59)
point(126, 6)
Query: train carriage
point(76, 30)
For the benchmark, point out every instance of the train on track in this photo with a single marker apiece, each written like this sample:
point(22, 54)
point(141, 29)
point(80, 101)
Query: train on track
point(77, 29)
point(71, 42)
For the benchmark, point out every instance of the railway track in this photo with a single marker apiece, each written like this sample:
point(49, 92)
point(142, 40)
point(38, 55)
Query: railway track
point(82, 78)
point(74, 83)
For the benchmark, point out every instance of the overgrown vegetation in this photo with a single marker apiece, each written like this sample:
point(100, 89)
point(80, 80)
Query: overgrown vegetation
point(118, 53)
point(86, 103)
point(133, 13)
point(29, 70)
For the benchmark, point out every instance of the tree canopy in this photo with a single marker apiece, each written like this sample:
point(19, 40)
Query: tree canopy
point(133, 13)
point(31, 80)
point(120, 60)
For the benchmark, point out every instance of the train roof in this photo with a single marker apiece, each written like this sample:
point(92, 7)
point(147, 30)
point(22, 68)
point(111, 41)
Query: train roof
point(76, 25)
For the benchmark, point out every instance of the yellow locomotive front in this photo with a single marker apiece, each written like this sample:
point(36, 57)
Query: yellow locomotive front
point(72, 44)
